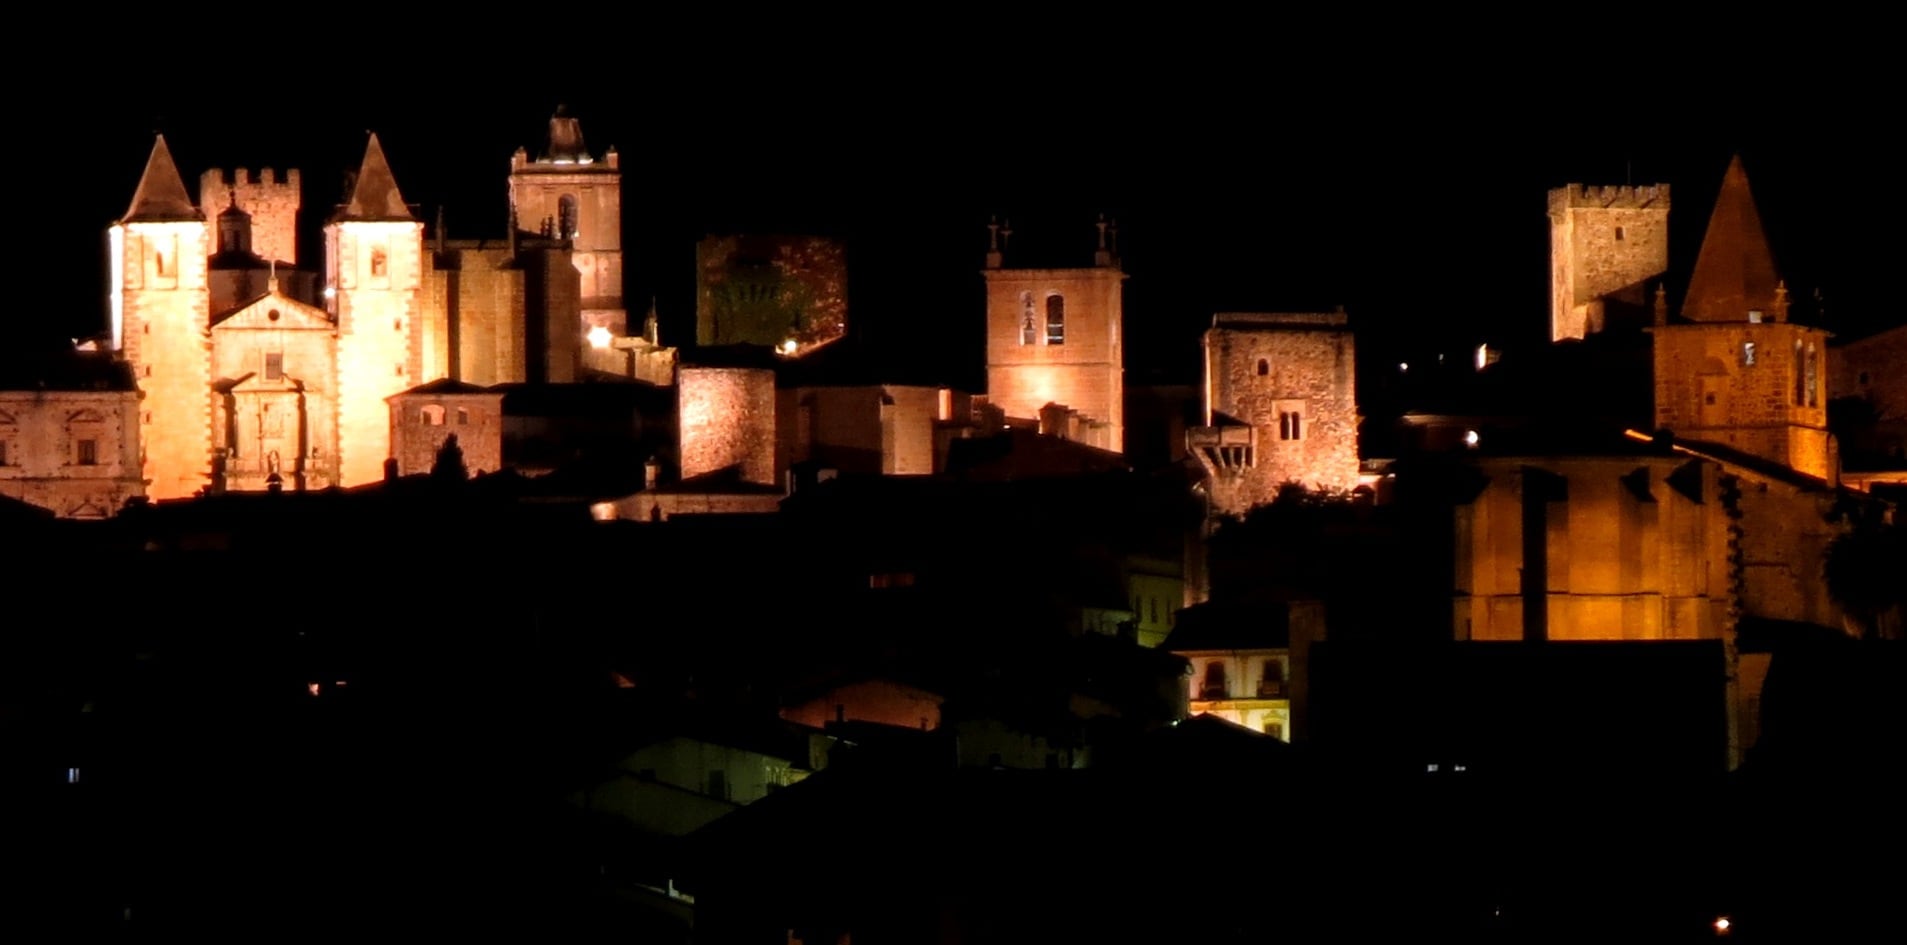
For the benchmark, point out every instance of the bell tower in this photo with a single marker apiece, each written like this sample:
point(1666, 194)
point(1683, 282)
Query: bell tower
point(1734, 370)
point(577, 198)
point(161, 326)
point(1054, 340)
point(374, 261)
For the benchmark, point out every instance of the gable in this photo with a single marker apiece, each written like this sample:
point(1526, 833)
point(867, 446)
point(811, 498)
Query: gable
point(274, 311)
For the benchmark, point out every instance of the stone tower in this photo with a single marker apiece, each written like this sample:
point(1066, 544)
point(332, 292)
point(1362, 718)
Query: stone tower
point(579, 199)
point(1054, 338)
point(160, 326)
point(270, 204)
point(1280, 406)
point(1604, 243)
point(1734, 370)
point(373, 273)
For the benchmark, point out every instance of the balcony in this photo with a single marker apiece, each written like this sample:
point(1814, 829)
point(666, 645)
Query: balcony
point(1271, 689)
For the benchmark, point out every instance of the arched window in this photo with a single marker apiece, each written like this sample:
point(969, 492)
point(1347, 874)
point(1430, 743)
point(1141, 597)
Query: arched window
point(1029, 327)
point(433, 415)
point(1264, 367)
point(1813, 373)
point(1055, 319)
point(566, 225)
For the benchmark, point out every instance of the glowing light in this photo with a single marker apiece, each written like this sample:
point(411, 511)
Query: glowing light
point(1722, 925)
point(311, 688)
point(603, 512)
point(330, 292)
point(1483, 356)
point(1470, 438)
point(789, 347)
point(1403, 367)
point(599, 337)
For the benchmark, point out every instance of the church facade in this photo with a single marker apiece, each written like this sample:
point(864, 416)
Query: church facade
point(250, 378)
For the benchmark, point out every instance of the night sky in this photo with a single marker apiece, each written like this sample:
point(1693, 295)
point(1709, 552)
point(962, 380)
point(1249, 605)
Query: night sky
point(1267, 170)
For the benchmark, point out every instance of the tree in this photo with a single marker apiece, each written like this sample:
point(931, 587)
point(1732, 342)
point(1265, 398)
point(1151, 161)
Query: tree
point(449, 469)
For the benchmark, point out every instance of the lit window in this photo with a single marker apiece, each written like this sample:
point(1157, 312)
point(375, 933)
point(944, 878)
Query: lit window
point(274, 365)
point(1748, 354)
point(1754, 316)
point(72, 775)
point(1055, 320)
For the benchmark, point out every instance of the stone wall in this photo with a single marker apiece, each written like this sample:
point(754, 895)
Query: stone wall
point(727, 419)
point(1707, 389)
point(1603, 241)
point(474, 304)
point(1085, 372)
point(160, 311)
point(1292, 380)
point(421, 422)
point(272, 202)
point(1636, 548)
point(377, 268)
point(43, 459)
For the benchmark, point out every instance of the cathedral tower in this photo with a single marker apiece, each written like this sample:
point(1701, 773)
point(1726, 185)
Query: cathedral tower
point(373, 273)
point(578, 199)
point(1604, 243)
point(1735, 370)
point(1054, 338)
point(160, 326)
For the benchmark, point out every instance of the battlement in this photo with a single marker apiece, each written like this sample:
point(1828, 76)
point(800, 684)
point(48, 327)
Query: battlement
point(243, 177)
point(1607, 197)
point(1280, 320)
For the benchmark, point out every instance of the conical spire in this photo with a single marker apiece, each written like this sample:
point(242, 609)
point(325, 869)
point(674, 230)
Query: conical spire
point(374, 194)
point(1735, 272)
point(161, 193)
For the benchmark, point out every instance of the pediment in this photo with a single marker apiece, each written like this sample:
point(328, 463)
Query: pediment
point(291, 315)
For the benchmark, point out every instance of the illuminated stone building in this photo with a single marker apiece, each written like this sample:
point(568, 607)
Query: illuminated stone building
point(250, 378)
point(1605, 244)
point(1280, 407)
point(426, 416)
point(1734, 370)
point(1054, 339)
point(69, 436)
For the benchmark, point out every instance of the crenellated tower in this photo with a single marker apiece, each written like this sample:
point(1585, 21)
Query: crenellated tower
point(579, 199)
point(1054, 340)
point(160, 326)
point(1734, 370)
point(373, 276)
point(1604, 244)
point(270, 204)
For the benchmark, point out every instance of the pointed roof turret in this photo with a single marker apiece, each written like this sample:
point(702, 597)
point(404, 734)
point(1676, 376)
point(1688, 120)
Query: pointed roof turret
point(374, 195)
point(161, 193)
point(1735, 271)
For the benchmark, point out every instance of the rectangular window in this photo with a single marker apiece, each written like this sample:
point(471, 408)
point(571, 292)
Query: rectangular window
point(274, 365)
point(1747, 354)
point(88, 452)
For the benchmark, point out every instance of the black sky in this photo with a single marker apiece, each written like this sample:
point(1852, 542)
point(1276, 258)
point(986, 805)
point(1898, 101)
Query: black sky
point(1249, 166)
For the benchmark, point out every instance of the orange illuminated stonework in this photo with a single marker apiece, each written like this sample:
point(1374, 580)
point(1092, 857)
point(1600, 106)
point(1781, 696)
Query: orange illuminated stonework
point(1055, 338)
